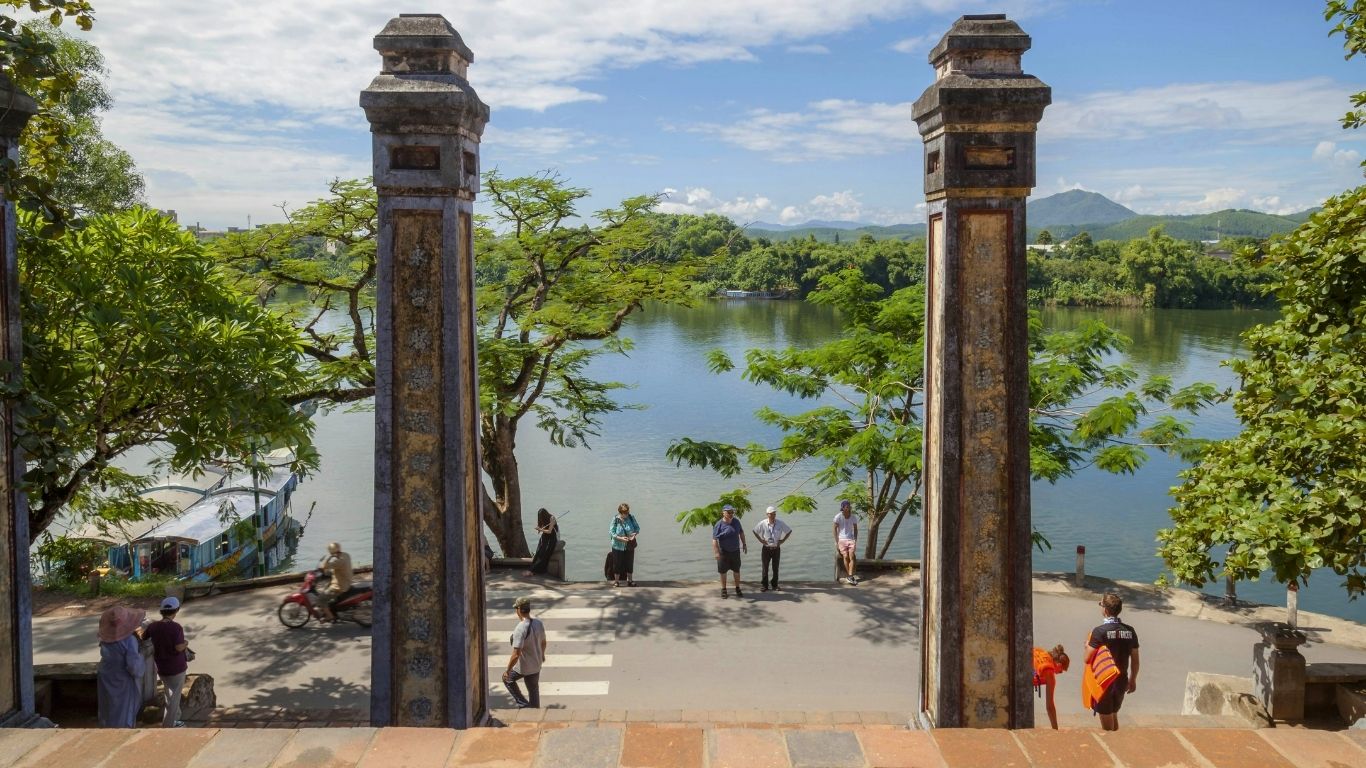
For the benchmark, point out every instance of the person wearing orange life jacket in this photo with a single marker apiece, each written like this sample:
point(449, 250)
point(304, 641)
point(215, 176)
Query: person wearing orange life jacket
point(1047, 666)
point(1111, 664)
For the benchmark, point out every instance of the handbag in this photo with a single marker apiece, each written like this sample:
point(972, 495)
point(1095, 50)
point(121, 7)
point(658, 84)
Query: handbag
point(631, 544)
point(189, 654)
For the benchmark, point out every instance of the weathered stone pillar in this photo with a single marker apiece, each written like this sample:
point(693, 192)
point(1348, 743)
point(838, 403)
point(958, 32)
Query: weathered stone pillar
point(429, 662)
point(16, 638)
point(978, 121)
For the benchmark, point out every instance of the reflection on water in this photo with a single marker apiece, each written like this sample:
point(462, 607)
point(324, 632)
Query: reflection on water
point(1115, 517)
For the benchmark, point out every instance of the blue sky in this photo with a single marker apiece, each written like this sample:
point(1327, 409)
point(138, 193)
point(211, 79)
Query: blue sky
point(763, 110)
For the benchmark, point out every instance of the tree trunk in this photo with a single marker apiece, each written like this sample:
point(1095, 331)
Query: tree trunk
point(870, 540)
point(504, 514)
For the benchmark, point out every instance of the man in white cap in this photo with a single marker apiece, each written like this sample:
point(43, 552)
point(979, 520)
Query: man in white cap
point(336, 564)
point(771, 533)
point(168, 649)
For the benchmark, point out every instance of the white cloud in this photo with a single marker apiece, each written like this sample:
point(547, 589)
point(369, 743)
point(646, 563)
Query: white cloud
point(814, 49)
point(1248, 111)
point(700, 200)
point(844, 205)
point(1328, 152)
point(831, 128)
point(536, 141)
point(917, 44)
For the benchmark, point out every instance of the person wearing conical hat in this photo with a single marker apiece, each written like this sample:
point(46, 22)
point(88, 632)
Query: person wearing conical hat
point(121, 667)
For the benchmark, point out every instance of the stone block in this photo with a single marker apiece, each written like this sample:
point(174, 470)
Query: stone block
point(1234, 749)
point(824, 749)
point(1047, 748)
point(74, 747)
point(1224, 695)
point(197, 697)
point(745, 748)
point(409, 748)
point(1314, 749)
point(899, 749)
point(325, 748)
point(972, 747)
point(648, 747)
point(17, 742)
point(1351, 702)
point(495, 748)
point(580, 748)
point(1147, 748)
point(160, 748)
point(244, 749)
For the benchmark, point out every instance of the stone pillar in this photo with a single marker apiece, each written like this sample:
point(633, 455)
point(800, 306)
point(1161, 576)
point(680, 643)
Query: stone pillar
point(16, 638)
point(978, 121)
point(429, 665)
point(1278, 672)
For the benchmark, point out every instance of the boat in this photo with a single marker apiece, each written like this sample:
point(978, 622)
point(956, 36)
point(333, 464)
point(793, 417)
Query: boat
point(222, 524)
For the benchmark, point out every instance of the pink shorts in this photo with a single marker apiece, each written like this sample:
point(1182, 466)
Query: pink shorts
point(847, 546)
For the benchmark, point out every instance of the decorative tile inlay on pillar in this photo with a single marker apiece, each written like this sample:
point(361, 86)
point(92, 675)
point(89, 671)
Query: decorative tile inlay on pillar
point(16, 646)
point(977, 122)
point(429, 648)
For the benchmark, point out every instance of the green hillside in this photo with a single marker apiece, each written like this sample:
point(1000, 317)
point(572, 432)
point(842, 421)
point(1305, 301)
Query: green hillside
point(1076, 207)
point(1205, 226)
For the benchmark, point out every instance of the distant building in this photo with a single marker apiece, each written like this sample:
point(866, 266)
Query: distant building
point(1042, 248)
point(170, 214)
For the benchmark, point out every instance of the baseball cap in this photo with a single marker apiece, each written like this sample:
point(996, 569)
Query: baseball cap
point(844, 504)
point(728, 508)
point(771, 511)
point(170, 604)
point(521, 603)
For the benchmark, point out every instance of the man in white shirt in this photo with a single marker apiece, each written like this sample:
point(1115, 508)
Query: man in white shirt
point(771, 533)
point(846, 540)
point(528, 654)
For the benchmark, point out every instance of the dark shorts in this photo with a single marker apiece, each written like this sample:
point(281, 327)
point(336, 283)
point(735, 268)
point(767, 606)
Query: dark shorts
point(728, 561)
point(1113, 699)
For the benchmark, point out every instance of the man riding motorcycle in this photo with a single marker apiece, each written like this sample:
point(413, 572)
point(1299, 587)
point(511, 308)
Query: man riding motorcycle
point(336, 564)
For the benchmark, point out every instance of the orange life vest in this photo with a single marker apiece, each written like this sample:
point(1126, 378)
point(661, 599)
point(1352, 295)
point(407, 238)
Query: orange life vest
point(1097, 677)
point(1045, 668)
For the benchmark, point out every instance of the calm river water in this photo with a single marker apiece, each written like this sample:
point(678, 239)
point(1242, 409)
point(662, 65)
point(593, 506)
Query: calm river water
point(1115, 517)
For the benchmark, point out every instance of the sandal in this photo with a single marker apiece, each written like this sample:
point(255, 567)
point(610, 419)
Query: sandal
point(615, 585)
point(630, 583)
point(724, 594)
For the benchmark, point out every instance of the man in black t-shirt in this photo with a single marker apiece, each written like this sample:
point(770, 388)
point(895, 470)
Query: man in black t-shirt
point(1122, 642)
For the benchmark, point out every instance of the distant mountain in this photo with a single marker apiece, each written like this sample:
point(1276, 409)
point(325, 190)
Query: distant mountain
point(1303, 216)
point(829, 234)
point(1204, 226)
point(813, 224)
point(1077, 207)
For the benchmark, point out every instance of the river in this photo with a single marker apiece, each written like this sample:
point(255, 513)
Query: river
point(1114, 516)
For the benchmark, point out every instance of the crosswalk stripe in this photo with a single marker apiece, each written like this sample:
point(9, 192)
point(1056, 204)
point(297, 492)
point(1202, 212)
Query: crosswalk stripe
point(544, 594)
point(560, 636)
point(563, 660)
point(602, 612)
point(588, 688)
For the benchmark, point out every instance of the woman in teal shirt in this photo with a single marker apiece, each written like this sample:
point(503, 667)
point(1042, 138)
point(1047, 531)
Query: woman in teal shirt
point(624, 530)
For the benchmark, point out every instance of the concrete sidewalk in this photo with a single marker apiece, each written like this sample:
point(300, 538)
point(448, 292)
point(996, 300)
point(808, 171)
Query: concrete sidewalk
point(681, 745)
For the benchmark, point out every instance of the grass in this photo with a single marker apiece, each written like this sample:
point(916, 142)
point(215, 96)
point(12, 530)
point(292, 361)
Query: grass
point(154, 586)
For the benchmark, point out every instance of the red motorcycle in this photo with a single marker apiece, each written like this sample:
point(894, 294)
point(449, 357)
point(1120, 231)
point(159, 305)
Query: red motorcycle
point(356, 604)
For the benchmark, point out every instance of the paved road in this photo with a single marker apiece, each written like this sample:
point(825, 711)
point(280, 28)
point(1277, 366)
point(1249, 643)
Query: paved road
point(809, 647)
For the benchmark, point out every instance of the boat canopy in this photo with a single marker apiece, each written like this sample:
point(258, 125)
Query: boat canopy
point(225, 506)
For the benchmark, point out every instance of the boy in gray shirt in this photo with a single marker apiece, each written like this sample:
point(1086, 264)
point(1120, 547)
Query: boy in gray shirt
point(528, 654)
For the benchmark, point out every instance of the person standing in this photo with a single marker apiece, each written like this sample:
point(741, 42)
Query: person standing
point(1121, 642)
point(336, 564)
point(168, 650)
point(770, 533)
point(119, 674)
point(548, 527)
point(528, 656)
point(727, 542)
point(624, 531)
point(846, 540)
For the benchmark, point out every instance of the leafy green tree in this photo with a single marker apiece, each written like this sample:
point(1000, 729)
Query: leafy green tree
point(1045, 237)
point(1161, 269)
point(864, 438)
point(566, 290)
point(131, 337)
point(1351, 22)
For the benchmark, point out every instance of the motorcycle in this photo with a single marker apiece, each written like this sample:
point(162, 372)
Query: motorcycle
point(305, 604)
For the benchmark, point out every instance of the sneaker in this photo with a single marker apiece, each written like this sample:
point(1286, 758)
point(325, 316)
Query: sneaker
point(724, 594)
point(857, 579)
point(178, 724)
point(738, 593)
point(850, 581)
point(763, 589)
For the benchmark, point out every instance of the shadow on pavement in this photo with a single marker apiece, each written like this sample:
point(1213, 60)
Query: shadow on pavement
point(256, 656)
point(320, 693)
point(684, 615)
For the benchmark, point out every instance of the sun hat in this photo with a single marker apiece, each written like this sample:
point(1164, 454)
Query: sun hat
point(170, 604)
point(771, 511)
point(118, 622)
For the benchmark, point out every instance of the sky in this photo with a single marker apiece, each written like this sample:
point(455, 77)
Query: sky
point(777, 111)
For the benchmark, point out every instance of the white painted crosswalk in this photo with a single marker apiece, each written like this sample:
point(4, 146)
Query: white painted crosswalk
point(580, 631)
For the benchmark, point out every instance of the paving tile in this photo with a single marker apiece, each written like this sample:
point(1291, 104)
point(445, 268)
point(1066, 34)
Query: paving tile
point(495, 748)
point(824, 749)
point(874, 718)
point(75, 747)
point(612, 716)
point(722, 716)
point(640, 715)
point(790, 718)
point(580, 748)
point(1047, 748)
point(662, 747)
point(694, 716)
point(1234, 749)
point(161, 748)
point(899, 749)
point(1147, 748)
point(17, 742)
point(325, 748)
point(667, 716)
point(1314, 749)
point(409, 748)
point(819, 718)
point(1358, 735)
point(248, 749)
point(972, 747)
point(743, 748)
point(845, 717)
point(530, 715)
point(557, 716)
point(584, 715)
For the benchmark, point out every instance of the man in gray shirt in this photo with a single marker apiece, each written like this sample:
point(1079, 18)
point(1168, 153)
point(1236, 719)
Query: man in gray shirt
point(528, 654)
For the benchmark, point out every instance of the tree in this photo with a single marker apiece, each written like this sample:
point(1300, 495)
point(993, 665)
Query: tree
point(1161, 269)
point(1045, 237)
point(563, 295)
point(133, 337)
point(864, 439)
point(1287, 494)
